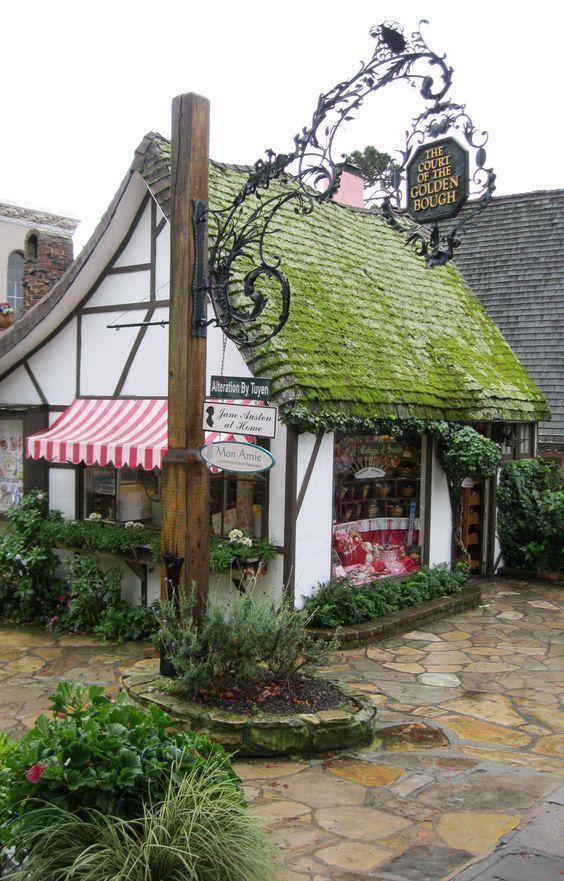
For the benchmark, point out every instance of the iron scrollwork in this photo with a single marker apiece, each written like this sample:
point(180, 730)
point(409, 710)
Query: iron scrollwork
point(240, 258)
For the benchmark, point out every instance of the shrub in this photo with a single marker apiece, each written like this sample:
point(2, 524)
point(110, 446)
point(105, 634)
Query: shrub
point(96, 753)
point(531, 515)
point(29, 589)
point(341, 603)
point(224, 552)
point(254, 641)
point(200, 830)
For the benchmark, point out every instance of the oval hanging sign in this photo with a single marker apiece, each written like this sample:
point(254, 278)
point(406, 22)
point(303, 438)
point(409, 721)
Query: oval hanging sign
point(237, 456)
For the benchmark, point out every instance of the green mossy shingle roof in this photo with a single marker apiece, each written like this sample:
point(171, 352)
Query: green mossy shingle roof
point(373, 331)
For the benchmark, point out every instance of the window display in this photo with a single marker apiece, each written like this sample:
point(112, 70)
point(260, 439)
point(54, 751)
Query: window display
point(377, 490)
point(123, 494)
point(11, 463)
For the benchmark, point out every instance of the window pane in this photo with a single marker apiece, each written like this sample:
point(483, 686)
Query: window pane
point(15, 292)
point(124, 494)
point(377, 485)
point(11, 463)
point(100, 492)
point(236, 502)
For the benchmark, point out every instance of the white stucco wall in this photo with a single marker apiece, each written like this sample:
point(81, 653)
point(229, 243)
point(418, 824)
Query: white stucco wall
point(313, 529)
point(54, 366)
point(18, 388)
point(440, 520)
point(62, 490)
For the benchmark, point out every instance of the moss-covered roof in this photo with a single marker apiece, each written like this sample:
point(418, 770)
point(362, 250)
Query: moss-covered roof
point(373, 331)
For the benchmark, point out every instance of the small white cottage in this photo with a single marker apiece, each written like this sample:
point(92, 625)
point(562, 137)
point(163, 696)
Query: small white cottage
point(373, 335)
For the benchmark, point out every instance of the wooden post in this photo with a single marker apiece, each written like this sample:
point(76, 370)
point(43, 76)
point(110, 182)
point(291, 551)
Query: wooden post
point(185, 490)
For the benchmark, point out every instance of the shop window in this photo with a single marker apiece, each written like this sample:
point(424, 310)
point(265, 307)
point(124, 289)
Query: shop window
point(238, 501)
point(11, 463)
point(123, 494)
point(377, 492)
point(516, 440)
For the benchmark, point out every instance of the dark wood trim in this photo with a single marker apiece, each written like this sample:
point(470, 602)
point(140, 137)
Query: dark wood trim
point(290, 512)
point(126, 307)
point(36, 385)
point(429, 459)
point(131, 357)
point(153, 263)
point(78, 354)
point(35, 470)
point(140, 569)
point(491, 495)
point(134, 267)
point(75, 313)
point(160, 226)
point(309, 470)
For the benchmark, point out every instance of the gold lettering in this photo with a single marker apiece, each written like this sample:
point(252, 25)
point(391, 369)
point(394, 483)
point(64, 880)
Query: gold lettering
point(433, 152)
point(451, 197)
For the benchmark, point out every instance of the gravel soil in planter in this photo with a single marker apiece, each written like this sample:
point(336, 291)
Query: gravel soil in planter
point(348, 723)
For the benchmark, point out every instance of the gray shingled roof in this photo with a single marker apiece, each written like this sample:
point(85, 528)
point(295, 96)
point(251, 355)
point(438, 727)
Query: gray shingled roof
point(512, 256)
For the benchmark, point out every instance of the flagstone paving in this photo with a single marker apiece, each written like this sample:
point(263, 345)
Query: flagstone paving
point(470, 739)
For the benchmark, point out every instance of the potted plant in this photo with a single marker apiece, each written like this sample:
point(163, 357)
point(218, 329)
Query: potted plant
point(241, 553)
point(7, 316)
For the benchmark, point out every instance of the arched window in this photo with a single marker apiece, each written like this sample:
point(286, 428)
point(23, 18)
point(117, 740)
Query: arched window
point(32, 247)
point(15, 292)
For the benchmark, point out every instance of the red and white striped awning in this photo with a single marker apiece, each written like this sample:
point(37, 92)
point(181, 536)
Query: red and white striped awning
point(125, 433)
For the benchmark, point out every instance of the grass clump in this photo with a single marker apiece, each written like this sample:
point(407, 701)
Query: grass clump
point(199, 831)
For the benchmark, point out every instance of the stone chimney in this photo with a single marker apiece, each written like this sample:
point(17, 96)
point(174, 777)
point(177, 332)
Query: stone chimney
point(47, 256)
point(351, 188)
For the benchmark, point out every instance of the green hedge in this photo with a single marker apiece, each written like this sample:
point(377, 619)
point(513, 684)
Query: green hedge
point(530, 518)
point(339, 603)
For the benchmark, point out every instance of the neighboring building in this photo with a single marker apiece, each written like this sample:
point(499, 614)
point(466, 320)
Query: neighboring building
point(372, 333)
point(35, 251)
point(512, 256)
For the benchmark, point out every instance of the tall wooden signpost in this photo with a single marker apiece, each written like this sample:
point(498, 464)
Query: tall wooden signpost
point(185, 490)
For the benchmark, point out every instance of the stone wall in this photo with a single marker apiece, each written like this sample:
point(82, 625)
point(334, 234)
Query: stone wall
point(47, 257)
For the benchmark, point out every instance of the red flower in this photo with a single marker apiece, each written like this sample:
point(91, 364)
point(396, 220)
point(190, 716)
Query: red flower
point(35, 773)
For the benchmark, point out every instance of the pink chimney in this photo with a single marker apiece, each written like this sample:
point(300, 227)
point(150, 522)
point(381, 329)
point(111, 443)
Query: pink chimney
point(351, 188)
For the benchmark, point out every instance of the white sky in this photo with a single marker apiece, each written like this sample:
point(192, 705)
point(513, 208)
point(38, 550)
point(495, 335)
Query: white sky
point(82, 84)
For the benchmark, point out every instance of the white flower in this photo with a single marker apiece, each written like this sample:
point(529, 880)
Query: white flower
point(247, 542)
point(130, 524)
point(40, 496)
point(138, 525)
point(235, 535)
point(94, 516)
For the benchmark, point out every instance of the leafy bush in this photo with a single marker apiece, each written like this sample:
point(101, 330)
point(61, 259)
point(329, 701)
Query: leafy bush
point(200, 830)
point(340, 603)
point(96, 753)
point(29, 589)
point(531, 515)
point(254, 641)
point(93, 604)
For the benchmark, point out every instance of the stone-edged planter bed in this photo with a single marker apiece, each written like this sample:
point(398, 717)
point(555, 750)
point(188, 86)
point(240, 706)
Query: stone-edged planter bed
point(261, 734)
point(400, 622)
point(526, 575)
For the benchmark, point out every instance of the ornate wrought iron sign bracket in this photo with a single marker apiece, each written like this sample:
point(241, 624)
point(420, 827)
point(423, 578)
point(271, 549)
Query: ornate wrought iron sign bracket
point(435, 175)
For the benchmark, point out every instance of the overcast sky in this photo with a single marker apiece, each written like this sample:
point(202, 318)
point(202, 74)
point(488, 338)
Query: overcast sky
point(82, 83)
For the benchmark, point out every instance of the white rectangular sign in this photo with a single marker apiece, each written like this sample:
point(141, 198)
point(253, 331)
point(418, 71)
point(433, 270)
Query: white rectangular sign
point(242, 419)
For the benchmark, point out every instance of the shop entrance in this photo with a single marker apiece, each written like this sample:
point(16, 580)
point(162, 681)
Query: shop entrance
point(472, 500)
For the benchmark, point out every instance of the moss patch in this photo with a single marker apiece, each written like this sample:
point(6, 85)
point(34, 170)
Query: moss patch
point(372, 330)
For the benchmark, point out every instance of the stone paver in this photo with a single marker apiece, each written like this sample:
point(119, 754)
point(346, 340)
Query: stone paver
point(469, 743)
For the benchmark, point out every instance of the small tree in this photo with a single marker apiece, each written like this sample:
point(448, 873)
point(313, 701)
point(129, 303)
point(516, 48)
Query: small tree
point(378, 169)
